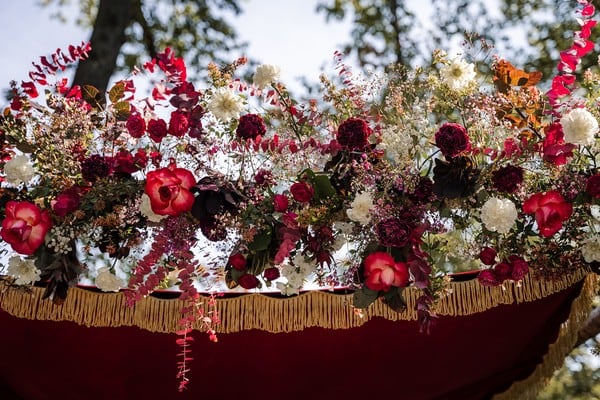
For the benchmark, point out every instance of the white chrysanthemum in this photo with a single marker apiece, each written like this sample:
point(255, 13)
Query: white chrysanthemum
point(24, 271)
point(498, 215)
point(590, 249)
point(146, 210)
point(579, 126)
point(19, 169)
point(265, 75)
point(225, 104)
point(360, 208)
point(396, 143)
point(458, 75)
point(107, 281)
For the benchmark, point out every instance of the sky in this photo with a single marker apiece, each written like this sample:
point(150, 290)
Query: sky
point(285, 33)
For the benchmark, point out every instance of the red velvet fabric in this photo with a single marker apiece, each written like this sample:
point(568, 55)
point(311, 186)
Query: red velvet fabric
point(470, 357)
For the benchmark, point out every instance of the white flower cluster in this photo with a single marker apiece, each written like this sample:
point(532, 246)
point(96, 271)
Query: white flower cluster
point(295, 274)
point(59, 238)
point(225, 104)
point(498, 215)
point(579, 126)
point(265, 75)
point(396, 143)
point(360, 208)
point(107, 281)
point(24, 271)
point(458, 75)
point(18, 170)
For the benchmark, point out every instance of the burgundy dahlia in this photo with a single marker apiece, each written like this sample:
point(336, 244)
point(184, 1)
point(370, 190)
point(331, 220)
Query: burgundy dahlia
point(96, 167)
point(593, 186)
point(250, 127)
point(393, 232)
point(507, 179)
point(423, 191)
point(452, 139)
point(353, 134)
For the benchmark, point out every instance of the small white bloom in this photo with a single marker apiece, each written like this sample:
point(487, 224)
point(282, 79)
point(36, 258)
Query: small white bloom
point(397, 144)
point(579, 126)
point(24, 271)
point(590, 249)
point(304, 268)
point(225, 104)
point(265, 75)
point(19, 169)
point(458, 75)
point(360, 208)
point(498, 215)
point(107, 281)
point(595, 211)
point(146, 210)
point(287, 289)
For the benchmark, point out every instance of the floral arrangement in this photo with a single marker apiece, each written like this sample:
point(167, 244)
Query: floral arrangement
point(389, 181)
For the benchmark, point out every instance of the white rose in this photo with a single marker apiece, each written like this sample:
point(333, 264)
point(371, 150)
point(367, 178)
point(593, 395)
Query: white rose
point(360, 208)
point(225, 104)
point(579, 127)
point(107, 281)
point(265, 75)
point(498, 215)
point(24, 271)
point(146, 210)
point(458, 75)
point(18, 169)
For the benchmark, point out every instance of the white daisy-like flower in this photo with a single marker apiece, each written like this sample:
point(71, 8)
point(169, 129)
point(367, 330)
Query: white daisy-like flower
point(265, 75)
point(498, 215)
point(579, 126)
point(24, 271)
point(107, 281)
point(458, 75)
point(146, 210)
point(19, 169)
point(360, 208)
point(225, 104)
point(590, 249)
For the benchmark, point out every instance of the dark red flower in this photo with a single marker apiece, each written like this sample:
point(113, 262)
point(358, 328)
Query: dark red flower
point(271, 274)
point(136, 126)
point(507, 179)
point(178, 124)
point(423, 191)
point(488, 256)
point(487, 278)
point(237, 261)
point(593, 186)
point(393, 232)
point(502, 271)
point(96, 167)
point(302, 192)
point(280, 202)
point(452, 139)
point(353, 134)
point(264, 177)
point(248, 281)
point(550, 210)
point(124, 163)
point(250, 127)
point(382, 272)
point(555, 150)
point(520, 267)
point(157, 129)
point(66, 202)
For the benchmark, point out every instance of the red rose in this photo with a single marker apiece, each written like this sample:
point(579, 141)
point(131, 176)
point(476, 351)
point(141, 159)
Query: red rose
point(452, 139)
point(487, 278)
point(593, 186)
point(136, 126)
point(250, 127)
point(271, 274)
point(125, 163)
point(248, 281)
point(382, 272)
point(554, 148)
point(502, 271)
point(169, 190)
point(178, 124)
point(25, 226)
point(507, 179)
point(520, 268)
point(280, 202)
point(157, 129)
point(487, 256)
point(353, 134)
point(237, 261)
point(66, 202)
point(550, 210)
point(302, 192)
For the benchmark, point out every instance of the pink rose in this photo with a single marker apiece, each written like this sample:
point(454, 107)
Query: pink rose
point(280, 202)
point(25, 226)
point(550, 210)
point(383, 272)
point(302, 192)
point(169, 190)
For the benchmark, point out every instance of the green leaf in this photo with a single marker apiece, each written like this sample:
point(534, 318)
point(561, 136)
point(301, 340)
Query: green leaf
point(323, 187)
point(261, 241)
point(93, 96)
point(394, 299)
point(364, 297)
point(117, 92)
point(122, 110)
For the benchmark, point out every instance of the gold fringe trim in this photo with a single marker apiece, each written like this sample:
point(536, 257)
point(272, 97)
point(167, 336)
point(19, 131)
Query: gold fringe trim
point(555, 357)
point(269, 313)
